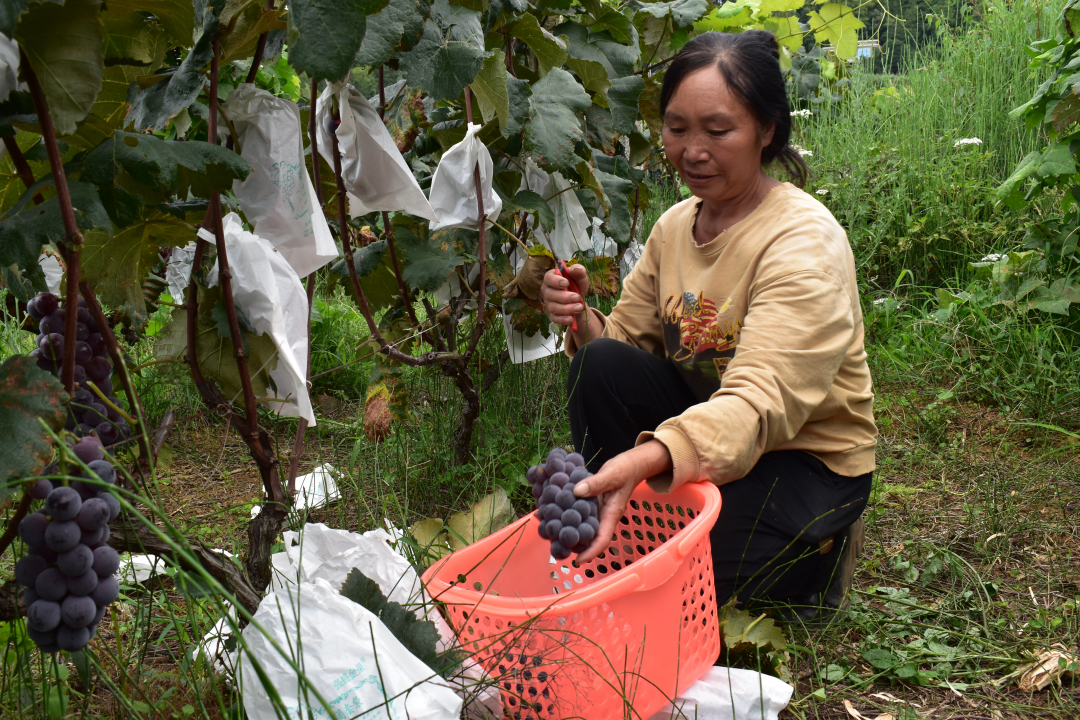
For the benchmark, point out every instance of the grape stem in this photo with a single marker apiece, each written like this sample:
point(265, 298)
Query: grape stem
point(138, 423)
point(72, 237)
point(108, 403)
point(13, 523)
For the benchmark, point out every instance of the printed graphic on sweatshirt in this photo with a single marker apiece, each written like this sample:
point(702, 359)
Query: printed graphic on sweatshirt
point(700, 339)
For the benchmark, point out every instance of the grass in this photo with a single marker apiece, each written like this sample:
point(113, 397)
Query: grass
point(972, 538)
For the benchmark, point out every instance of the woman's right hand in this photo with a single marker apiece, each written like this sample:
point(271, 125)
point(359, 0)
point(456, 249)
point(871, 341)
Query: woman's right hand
point(560, 304)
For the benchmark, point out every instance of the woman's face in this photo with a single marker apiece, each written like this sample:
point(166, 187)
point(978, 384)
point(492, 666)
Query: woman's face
point(713, 139)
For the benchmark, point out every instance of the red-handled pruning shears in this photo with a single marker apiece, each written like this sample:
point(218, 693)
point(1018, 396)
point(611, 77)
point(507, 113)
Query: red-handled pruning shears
point(565, 272)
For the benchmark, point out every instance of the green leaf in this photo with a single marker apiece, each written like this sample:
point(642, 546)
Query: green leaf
point(553, 128)
point(618, 191)
point(490, 514)
point(158, 165)
point(622, 97)
point(787, 31)
point(593, 75)
point(1056, 159)
point(214, 352)
point(615, 23)
point(580, 46)
point(155, 105)
point(550, 51)
point(330, 34)
point(364, 591)
point(491, 92)
point(11, 11)
point(368, 258)
point(426, 265)
point(29, 226)
point(535, 203)
point(518, 91)
point(449, 54)
point(247, 27)
point(118, 266)
point(881, 658)
point(683, 12)
point(64, 45)
point(771, 6)
point(27, 393)
point(836, 24)
point(177, 17)
point(385, 30)
point(131, 38)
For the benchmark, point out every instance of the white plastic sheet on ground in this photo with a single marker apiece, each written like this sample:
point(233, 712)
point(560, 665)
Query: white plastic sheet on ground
point(571, 231)
point(269, 293)
point(278, 198)
point(316, 489)
point(178, 271)
point(729, 694)
point(453, 186)
point(526, 348)
point(630, 258)
point(373, 169)
point(53, 272)
point(347, 655)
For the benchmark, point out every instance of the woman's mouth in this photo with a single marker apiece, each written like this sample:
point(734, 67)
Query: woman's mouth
point(696, 178)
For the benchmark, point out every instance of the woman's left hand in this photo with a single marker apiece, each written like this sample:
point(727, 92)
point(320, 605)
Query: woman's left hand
point(614, 485)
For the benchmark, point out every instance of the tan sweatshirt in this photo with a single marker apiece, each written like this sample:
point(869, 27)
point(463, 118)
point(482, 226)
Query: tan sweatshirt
point(764, 324)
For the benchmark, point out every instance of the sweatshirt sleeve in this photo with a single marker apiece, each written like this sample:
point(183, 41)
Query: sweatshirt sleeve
point(635, 319)
point(795, 335)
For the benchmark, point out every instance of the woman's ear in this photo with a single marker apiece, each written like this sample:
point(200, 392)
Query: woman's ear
point(767, 133)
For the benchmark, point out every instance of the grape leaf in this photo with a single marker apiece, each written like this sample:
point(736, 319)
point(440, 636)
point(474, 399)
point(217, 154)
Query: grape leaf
point(368, 258)
point(385, 30)
point(431, 536)
point(26, 393)
point(252, 22)
point(771, 6)
point(622, 97)
point(64, 45)
point(330, 34)
point(364, 591)
point(117, 267)
point(615, 23)
point(553, 128)
point(214, 352)
point(550, 50)
point(593, 75)
point(836, 24)
point(448, 55)
point(535, 203)
point(28, 226)
point(579, 45)
point(131, 38)
point(488, 515)
point(177, 17)
point(153, 106)
point(11, 11)
point(617, 190)
point(519, 91)
point(491, 92)
point(683, 12)
point(426, 264)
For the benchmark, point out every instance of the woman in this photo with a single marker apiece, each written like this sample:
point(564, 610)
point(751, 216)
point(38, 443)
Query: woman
point(735, 353)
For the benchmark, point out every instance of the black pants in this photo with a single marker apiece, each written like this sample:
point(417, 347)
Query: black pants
point(766, 542)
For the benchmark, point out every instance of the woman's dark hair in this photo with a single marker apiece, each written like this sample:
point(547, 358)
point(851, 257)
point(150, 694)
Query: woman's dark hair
point(750, 65)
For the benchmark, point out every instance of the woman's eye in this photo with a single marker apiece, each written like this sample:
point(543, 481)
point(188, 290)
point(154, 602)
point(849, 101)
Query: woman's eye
point(717, 133)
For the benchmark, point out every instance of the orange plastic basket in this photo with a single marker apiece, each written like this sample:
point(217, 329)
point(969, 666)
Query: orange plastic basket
point(614, 638)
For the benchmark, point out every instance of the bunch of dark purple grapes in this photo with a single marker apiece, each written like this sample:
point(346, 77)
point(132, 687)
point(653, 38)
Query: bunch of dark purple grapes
point(86, 413)
point(569, 522)
point(69, 571)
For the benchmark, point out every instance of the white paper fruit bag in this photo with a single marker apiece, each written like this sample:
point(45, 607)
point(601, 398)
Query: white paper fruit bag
point(373, 169)
point(278, 198)
point(269, 293)
point(453, 186)
point(347, 656)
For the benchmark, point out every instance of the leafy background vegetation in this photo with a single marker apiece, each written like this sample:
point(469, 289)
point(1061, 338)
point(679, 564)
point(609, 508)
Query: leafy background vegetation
point(971, 561)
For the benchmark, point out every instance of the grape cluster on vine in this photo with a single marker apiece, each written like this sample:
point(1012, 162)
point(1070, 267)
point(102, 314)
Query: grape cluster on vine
point(569, 522)
point(86, 414)
point(69, 573)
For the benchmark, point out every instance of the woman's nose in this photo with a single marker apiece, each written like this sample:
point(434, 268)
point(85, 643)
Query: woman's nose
point(697, 150)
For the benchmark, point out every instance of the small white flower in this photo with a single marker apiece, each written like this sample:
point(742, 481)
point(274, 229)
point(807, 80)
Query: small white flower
point(881, 300)
point(801, 113)
point(806, 153)
point(992, 257)
point(967, 141)
point(823, 191)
